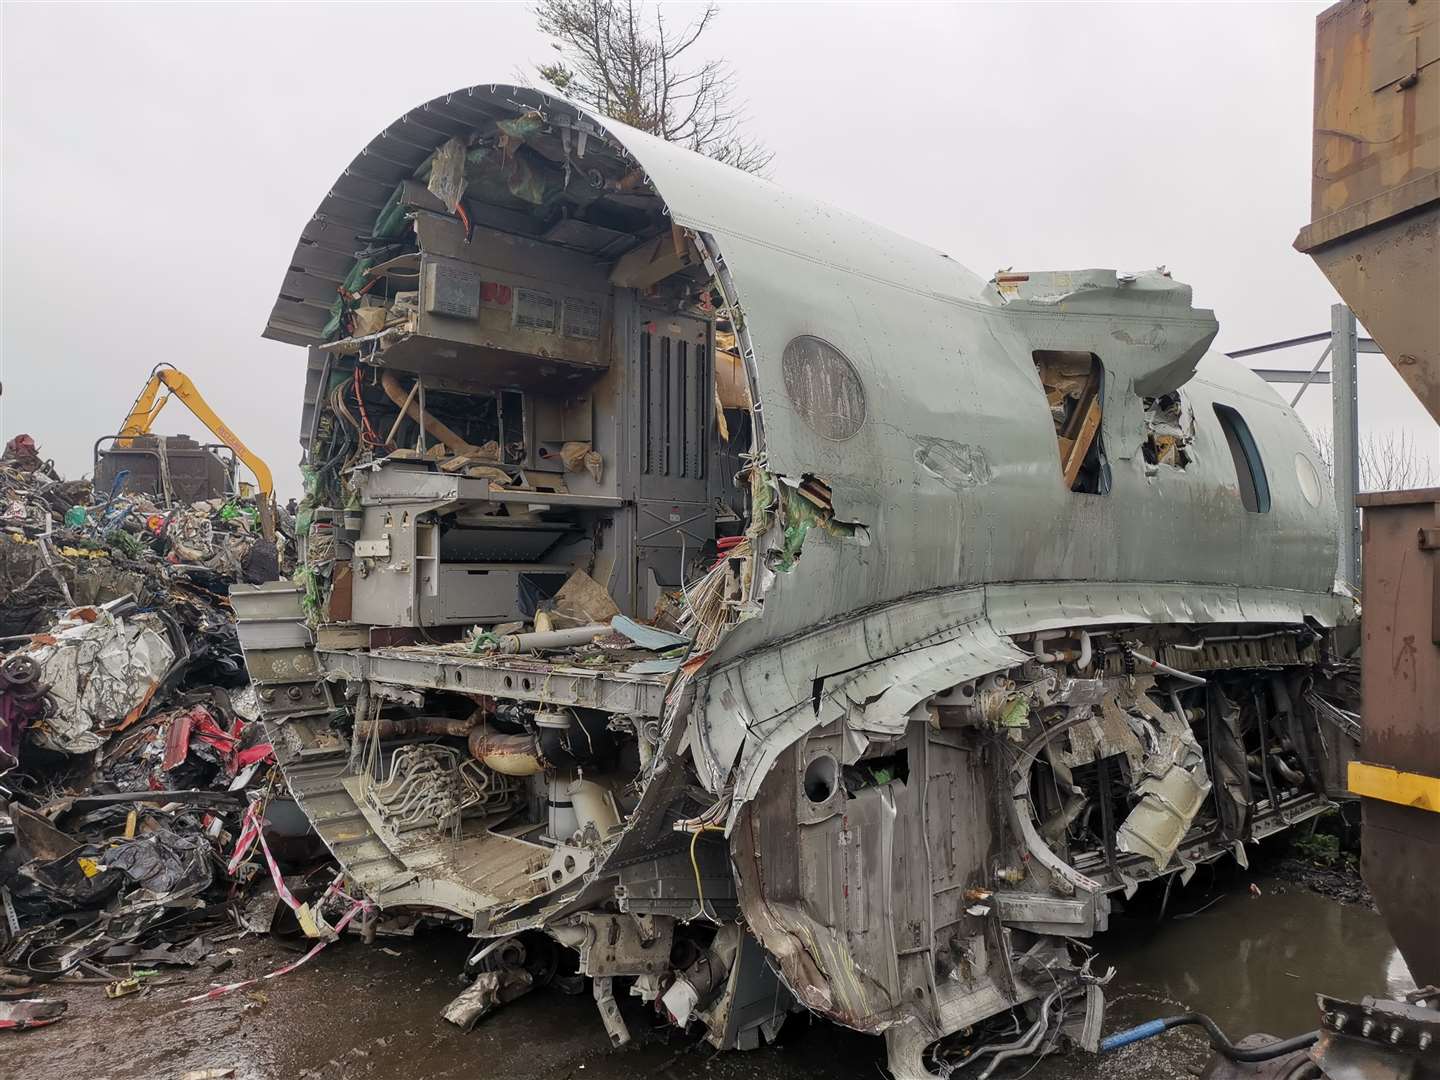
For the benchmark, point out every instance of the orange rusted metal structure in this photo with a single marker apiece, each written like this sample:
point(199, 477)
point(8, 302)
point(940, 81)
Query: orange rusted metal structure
point(1375, 197)
point(1375, 233)
point(1400, 686)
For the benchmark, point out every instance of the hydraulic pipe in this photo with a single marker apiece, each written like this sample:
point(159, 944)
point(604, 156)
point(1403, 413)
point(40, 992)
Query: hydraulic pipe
point(1166, 669)
point(543, 640)
point(1041, 637)
point(1081, 658)
point(1027, 1043)
point(1218, 1041)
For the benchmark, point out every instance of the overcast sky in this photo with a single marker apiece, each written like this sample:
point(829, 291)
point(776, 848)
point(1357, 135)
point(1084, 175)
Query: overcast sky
point(160, 162)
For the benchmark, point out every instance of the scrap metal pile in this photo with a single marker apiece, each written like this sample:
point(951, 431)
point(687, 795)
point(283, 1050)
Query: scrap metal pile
point(128, 755)
point(64, 543)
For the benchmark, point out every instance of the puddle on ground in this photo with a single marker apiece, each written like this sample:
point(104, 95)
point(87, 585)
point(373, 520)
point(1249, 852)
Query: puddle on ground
point(1255, 963)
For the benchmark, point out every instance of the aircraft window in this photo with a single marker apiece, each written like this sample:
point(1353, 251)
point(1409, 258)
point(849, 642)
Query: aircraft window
point(1249, 470)
point(1073, 384)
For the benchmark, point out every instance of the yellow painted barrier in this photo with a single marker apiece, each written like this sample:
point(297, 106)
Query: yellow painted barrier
point(1392, 785)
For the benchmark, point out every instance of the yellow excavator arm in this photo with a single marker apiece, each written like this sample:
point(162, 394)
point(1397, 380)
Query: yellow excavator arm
point(147, 408)
point(148, 405)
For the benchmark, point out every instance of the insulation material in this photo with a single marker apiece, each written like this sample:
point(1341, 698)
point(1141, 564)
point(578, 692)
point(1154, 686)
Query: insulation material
point(581, 601)
point(581, 457)
point(98, 672)
point(732, 389)
point(368, 319)
point(447, 173)
point(806, 505)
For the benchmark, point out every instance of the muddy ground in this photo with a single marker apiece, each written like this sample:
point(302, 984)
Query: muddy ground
point(373, 1013)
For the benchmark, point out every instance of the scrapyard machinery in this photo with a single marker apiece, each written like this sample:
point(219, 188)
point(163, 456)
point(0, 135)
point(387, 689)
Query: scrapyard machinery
point(760, 609)
point(176, 467)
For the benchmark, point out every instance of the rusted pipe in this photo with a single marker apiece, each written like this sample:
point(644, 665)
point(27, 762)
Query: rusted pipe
point(405, 402)
point(1038, 642)
point(513, 755)
point(415, 725)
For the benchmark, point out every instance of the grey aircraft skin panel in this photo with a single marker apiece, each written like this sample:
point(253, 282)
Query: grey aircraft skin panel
point(936, 362)
point(901, 627)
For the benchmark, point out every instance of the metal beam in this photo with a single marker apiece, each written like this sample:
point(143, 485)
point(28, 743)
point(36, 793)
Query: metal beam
point(617, 692)
point(1363, 344)
point(1308, 339)
point(1346, 425)
point(1392, 785)
point(1293, 375)
point(1313, 371)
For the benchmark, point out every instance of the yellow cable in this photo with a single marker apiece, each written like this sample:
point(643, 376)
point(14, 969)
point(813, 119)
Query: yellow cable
point(695, 865)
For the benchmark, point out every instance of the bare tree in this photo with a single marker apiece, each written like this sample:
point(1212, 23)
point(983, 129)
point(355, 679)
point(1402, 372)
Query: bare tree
point(1389, 462)
point(624, 60)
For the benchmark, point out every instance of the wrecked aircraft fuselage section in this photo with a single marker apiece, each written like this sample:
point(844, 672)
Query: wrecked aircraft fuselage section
point(759, 609)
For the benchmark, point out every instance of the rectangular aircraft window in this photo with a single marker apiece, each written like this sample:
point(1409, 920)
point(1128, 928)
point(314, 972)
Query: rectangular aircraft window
point(1073, 383)
point(1249, 470)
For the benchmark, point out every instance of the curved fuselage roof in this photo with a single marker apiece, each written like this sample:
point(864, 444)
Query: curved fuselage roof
point(932, 431)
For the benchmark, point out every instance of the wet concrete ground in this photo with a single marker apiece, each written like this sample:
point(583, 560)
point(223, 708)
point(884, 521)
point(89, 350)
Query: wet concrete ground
point(1253, 963)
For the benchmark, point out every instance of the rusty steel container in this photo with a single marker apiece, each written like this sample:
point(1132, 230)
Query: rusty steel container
point(195, 472)
point(1398, 774)
point(1375, 191)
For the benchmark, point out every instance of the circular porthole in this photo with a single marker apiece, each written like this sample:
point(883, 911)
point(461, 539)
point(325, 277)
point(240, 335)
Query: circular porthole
point(1308, 479)
point(820, 777)
point(824, 387)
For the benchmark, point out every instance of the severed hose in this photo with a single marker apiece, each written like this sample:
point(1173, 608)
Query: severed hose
point(1218, 1040)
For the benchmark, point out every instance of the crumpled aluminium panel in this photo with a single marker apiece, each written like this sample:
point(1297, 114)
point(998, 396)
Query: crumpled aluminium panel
point(98, 672)
point(876, 668)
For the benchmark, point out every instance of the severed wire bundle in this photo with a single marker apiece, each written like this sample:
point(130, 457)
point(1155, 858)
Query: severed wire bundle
point(709, 609)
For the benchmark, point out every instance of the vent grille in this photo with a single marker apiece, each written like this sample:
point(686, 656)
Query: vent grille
point(535, 310)
point(673, 377)
point(582, 319)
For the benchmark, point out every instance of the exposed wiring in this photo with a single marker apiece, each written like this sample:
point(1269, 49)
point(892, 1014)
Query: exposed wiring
point(711, 815)
point(708, 912)
point(367, 431)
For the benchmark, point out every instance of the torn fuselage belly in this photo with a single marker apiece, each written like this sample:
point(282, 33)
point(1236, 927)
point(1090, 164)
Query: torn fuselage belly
point(919, 851)
point(913, 859)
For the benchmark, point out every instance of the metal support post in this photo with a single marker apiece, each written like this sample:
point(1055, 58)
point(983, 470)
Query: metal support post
point(1346, 424)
